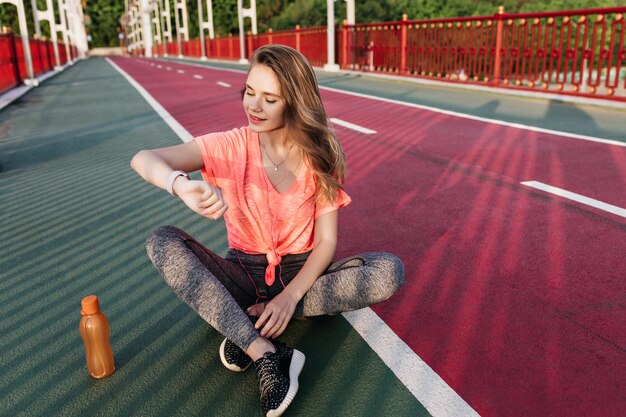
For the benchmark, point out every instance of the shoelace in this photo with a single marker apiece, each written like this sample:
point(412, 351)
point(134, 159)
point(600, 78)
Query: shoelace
point(267, 371)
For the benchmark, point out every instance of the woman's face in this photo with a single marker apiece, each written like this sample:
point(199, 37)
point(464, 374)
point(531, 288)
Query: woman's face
point(262, 102)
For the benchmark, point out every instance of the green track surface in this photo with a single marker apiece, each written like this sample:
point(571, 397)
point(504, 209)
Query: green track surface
point(74, 219)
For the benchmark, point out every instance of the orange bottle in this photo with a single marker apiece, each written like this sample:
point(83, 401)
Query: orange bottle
point(94, 329)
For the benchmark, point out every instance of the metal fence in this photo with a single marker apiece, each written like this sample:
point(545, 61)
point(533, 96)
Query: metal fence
point(13, 64)
point(575, 52)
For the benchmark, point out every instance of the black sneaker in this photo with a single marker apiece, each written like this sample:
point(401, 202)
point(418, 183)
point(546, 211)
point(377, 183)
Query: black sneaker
point(233, 357)
point(278, 378)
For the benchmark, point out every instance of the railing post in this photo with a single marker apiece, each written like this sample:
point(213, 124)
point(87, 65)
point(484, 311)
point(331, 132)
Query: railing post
point(269, 35)
point(298, 37)
point(403, 45)
point(499, 30)
point(344, 45)
point(250, 44)
point(330, 37)
point(18, 78)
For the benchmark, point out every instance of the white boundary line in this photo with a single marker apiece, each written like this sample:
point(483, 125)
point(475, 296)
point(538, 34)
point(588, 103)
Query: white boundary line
point(481, 119)
point(211, 67)
point(352, 126)
point(223, 84)
point(448, 112)
point(196, 76)
point(182, 133)
point(576, 197)
point(428, 388)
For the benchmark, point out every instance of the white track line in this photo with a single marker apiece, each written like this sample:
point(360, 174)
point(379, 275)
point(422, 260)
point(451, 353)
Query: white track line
point(448, 112)
point(576, 197)
point(180, 71)
point(223, 84)
point(481, 119)
point(352, 126)
point(182, 133)
point(428, 388)
point(199, 77)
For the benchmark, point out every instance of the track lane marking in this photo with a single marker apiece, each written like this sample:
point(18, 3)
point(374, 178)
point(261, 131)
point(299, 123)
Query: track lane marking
point(579, 198)
point(352, 126)
point(447, 112)
point(481, 119)
point(430, 390)
point(425, 385)
point(223, 84)
point(199, 77)
point(180, 131)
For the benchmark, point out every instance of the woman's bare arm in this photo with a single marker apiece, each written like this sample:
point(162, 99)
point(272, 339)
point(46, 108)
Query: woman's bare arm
point(156, 165)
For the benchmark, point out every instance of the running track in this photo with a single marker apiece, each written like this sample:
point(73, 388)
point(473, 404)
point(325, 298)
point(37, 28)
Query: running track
point(514, 296)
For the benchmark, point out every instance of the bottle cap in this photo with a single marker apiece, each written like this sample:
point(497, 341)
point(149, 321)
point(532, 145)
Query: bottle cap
point(90, 305)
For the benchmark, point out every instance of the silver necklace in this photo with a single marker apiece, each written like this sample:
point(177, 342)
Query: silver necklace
point(276, 165)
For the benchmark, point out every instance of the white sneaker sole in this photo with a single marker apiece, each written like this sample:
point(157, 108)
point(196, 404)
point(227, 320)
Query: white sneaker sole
point(295, 367)
point(230, 366)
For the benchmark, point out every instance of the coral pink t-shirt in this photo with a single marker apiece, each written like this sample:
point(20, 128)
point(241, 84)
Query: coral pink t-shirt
point(260, 220)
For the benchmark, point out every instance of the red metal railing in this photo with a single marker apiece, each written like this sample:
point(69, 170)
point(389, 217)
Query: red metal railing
point(575, 52)
point(578, 52)
point(9, 73)
point(222, 48)
point(13, 65)
point(311, 42)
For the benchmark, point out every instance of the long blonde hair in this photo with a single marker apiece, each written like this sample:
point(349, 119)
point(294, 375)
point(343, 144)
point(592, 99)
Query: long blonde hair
point(306, 121)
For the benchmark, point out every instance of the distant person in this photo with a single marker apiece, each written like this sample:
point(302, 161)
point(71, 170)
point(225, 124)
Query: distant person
point(278, 182)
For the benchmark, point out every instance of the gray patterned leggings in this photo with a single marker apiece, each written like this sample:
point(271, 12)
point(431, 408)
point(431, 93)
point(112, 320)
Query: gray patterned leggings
point(219, 289)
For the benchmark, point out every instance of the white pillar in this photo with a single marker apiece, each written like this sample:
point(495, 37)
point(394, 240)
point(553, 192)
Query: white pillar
point(166, 22)
point(146, 27)
point(208, 24)
point(242, 13)
point(181, 29)
point(350, 12)
point(331, 65)
point(155, 21)
point(48, 15)
point(63, 28)
point(77, 27)
point(21, 18)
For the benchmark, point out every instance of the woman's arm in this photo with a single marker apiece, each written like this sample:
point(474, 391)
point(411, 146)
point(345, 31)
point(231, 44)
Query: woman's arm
point(156, 165)
point(279, 311)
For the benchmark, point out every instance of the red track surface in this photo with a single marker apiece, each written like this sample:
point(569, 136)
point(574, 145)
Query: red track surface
point(515, 298)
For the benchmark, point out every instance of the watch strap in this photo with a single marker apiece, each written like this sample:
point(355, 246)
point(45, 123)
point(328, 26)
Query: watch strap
point(172, 178)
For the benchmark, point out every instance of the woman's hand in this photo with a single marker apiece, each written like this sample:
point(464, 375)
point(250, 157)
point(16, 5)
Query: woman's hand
point(256, 310)
point(277, 314)
point(201, 197)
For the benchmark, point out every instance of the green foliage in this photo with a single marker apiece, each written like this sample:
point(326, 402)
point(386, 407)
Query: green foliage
point(104, 15)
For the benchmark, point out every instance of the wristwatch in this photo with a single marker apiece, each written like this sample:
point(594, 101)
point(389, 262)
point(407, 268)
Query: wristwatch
point(172, 178)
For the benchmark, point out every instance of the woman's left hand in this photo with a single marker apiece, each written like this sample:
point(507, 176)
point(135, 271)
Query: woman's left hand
point(277, 314)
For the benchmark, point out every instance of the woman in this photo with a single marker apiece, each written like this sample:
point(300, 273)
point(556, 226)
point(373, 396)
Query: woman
point(278, 184)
